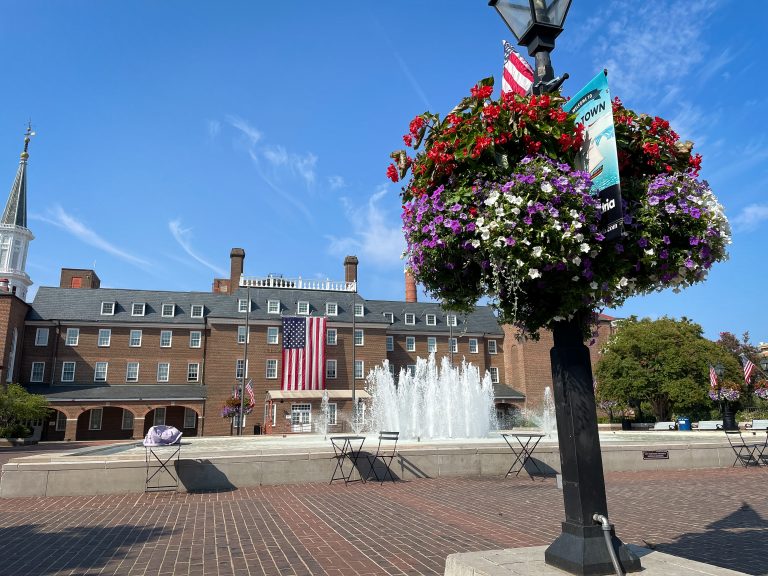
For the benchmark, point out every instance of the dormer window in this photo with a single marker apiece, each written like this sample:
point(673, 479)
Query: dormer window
point(410, 318)
point(331, 309)
point(107, 308)
point(359, 310)
point(431, 320)
point(196, 311)
point(138, 308)
point(302, 308)
point(389, 317)
point(273, 307)
point(451, 320)
point(243, 305)
point(168, 310)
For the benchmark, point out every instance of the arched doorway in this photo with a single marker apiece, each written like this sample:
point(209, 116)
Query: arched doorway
point(55, 426)
point(181, 417)
point(105, 423)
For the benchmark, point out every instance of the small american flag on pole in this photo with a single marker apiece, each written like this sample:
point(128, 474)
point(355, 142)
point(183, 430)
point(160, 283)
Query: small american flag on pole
point(712, 377)
point(304, 353)
point(249, 389)
point(749, 367)
point(518, 74)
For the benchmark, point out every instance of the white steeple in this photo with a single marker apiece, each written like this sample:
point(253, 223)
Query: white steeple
point(14, 234)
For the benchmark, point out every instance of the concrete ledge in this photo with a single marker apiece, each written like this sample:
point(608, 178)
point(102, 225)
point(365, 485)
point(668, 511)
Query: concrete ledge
point(530, 562)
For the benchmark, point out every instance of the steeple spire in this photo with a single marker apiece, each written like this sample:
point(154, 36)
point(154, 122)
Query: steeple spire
point(16, 209)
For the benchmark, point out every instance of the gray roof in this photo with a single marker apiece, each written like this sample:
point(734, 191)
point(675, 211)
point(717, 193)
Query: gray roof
point(504, 391)
point(84, 305)
point(115, 393)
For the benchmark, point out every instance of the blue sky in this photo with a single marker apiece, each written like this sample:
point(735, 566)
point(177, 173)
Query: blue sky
point(170, 132)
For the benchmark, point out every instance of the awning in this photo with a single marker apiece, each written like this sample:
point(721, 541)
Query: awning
point(315, 394)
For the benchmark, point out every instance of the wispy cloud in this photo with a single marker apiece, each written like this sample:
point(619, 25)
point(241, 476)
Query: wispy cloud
point(376, 235)
point(285, 196)
point(336, 182)
point(251, 133)
point(413, 81)
point(58, 217)
point(214, 127)
point(750, 218)
point(184, 236)
point(301, 165)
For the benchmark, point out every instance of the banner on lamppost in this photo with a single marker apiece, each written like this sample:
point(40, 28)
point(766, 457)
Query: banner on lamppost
point(592, 106)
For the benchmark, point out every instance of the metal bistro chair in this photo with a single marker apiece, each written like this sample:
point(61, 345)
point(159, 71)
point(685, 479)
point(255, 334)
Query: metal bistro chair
point(745, 453)
point(386, 451)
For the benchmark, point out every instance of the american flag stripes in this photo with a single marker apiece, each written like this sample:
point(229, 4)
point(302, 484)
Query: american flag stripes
point(249, 389)
point(518, 74)
point(712, 377)
point(304, 353)
point(749, 367)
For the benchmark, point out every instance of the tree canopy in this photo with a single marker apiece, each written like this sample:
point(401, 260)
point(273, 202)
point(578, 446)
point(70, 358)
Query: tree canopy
point(664, 362)
point(18, 406)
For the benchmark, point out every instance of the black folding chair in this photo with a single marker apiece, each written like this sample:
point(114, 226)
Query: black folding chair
point(386, 452)
point(745, 453)
point(761, 451)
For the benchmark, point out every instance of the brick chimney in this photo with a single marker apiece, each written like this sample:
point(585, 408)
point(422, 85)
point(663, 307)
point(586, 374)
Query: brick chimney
point(350, 269)
point(410, 287)
point(79, 278)
point(236, 258)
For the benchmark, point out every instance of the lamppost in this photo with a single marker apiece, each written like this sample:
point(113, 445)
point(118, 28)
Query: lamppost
point(241, 416)
point(581, 546)
point(764, 363)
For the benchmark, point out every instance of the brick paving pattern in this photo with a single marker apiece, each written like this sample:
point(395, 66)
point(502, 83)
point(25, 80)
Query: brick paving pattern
point(405, 528)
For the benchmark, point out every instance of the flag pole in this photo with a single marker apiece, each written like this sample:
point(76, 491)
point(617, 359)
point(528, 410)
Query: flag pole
point(354, 402)
point(241, 416)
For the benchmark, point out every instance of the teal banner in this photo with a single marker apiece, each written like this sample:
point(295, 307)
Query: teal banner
point(592, 106)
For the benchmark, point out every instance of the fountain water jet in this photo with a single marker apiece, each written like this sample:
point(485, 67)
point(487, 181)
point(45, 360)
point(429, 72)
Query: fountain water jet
point(544, 417)
point(452, 402)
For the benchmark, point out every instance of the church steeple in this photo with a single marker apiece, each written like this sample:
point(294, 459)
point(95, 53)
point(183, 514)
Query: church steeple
point(14, 234)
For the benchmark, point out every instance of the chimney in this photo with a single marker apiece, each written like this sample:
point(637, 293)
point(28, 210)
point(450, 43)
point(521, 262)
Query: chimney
point(236, 258)
point(350, 269)
point(79, 278)
point(410, 287)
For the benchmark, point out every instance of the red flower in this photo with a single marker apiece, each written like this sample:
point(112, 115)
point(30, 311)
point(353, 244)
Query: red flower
point(416, 125)
point(392, 173)
point(481, 92)
point(695, 163)
point(491, 112)
point(408, 139)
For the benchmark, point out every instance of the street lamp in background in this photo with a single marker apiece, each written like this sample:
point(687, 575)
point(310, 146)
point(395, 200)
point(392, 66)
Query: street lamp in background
point(763, 363)
point(536, 24)
point(581, 548)
point(719, 370)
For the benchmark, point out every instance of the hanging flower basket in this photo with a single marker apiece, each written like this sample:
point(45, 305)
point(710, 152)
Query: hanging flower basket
point(495, 206)
point(231, 408)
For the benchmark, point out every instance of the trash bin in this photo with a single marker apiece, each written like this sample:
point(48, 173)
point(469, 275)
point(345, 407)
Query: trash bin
point(257, 430)
point(684, 423)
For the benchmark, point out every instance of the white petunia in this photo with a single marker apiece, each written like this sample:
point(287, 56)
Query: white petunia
point(537, 250)
point(546, 187)
point(533, 273)
point(577, 261)
point(593, 285)
point(476, 243)
point(584, 247)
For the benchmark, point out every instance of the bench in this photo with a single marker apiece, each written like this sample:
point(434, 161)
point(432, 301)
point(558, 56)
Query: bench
point(664, 426)
point(757, 425)
point(710, 425)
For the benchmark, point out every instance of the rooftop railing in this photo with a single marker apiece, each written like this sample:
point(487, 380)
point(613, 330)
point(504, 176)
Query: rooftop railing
point(297, 284)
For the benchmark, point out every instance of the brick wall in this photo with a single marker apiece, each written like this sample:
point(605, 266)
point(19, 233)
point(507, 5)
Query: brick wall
point(12, 313)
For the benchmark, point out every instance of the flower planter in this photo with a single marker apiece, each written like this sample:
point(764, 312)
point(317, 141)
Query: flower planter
point(729, 417)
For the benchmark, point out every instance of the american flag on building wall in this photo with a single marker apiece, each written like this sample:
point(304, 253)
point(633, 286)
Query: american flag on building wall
point(518, 74)
point(749, 367)
point(304, 353)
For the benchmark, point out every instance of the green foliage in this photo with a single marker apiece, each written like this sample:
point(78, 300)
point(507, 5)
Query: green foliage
point(664, 363)
point(18, 406)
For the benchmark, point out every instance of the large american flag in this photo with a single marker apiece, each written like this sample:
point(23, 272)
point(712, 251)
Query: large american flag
point(712, 377)
point(304, 353)
point(518, 74)
point(749, 367)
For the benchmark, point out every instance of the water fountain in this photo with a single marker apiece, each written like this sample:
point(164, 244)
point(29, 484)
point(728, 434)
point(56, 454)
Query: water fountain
point(544, 417)
point(430, 403)
point(324, 417)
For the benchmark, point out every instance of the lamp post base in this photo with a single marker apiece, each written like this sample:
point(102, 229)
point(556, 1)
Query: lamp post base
point(583, 550)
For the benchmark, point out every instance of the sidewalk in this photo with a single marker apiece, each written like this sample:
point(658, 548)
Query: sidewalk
point(716, 516)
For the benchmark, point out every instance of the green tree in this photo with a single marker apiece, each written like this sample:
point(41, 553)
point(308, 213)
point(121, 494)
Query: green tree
point(664, 363)
point(18, 406)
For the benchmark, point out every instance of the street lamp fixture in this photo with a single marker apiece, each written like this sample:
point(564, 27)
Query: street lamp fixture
point(719, 370)
point(536, 24)
point(764, 363)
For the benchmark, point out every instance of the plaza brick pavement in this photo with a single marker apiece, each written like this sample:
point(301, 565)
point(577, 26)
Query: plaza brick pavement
point(716, 516)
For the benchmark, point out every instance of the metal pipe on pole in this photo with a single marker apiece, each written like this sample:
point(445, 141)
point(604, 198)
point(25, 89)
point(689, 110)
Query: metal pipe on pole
point(241, 416)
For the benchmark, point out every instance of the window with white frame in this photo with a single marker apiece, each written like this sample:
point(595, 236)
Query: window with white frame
point(273, 335)
point(138, 309)
point(239, 363)
point(302, 308)
point(431, 344)
point(195, 338)
point(68, 371)
point(196, 311)
point(38, 372)
point(242, 333)
point(389, 317)
point(332, 414)
point(193, 372)
point(359, 337)
point(273, 307)
point(132, 372)
point(127, 423)
point(61, 422)
point(390, 343)
point(431, 320)
point(491, 346)
point(271, 369)
point(494, 374)
point(301, 414)
point(190, 418)
point(107, 308)
point(73, 336)
point(41, 337)
point(359, 310)
point(100, 372)
point(165, 338)
point(410, 344)
point(453, 343)
point(411, 369)
point(330, 369)
point(158, 418)
point(242, 305)
point(451, 320)
point(359, 369)
point(105, 336)
point(331, 309)
point(94, 420)
point(163, 371)
point(168, 310)
point(331, 336)
point(134, 340)
point(473, 346)
point(410, 318)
